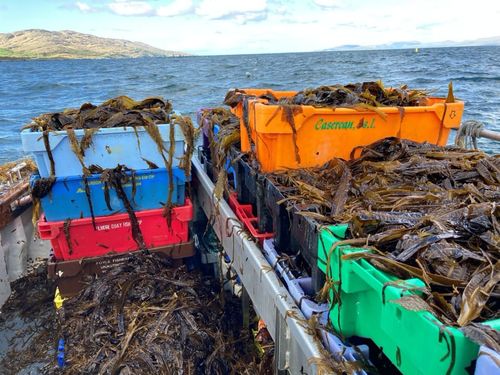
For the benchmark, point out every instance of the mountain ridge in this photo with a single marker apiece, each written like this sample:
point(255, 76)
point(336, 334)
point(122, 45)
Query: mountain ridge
point(490, 41)
point(68, 44)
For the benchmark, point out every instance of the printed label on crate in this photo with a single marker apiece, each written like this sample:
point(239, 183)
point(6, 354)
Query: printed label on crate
point(123, 224)
point(138, 180)
point(112, 263)
point(322, 124)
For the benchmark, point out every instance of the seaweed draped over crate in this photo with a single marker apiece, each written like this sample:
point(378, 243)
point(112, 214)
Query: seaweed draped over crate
point(219, 144)
point(362, 95)
point(425, 211)
point(118, 112)
point(144, 318)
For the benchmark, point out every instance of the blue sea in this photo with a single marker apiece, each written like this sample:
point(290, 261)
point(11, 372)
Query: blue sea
point(29, 88)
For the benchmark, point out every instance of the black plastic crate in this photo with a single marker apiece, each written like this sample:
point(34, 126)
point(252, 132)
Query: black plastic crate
point(204, 157)
point(246, 180)
point(280, 216)
point(293, 233)
point(304, 240)
point(250, 186)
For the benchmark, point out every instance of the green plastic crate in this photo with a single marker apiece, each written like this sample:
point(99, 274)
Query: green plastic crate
point(415, 341)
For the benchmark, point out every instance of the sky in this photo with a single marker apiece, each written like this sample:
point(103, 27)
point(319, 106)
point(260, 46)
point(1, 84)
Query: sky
point(259, 26)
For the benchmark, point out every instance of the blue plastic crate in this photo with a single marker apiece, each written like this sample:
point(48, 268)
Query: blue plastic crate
point(488, 362)
point(110, 147)
point(67, 198)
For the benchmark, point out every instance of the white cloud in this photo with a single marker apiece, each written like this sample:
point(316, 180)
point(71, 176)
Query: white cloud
point(130, 8)
point(84, 7)
point(226, 9)
point(176, 8)
point(286, 26)
point(144, 8)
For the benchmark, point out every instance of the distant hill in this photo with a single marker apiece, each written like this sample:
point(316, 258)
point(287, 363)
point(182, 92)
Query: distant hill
point(492, 41)
point(43, 44)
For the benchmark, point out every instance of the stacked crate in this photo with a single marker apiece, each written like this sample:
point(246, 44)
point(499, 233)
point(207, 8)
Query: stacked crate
point(315, 136)
point(365, 307)
point(85, 216)
point(293, 137)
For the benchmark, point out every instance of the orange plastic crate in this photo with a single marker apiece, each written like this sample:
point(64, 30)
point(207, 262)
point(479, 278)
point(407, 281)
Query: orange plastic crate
point(238, 111)
point(324, 133)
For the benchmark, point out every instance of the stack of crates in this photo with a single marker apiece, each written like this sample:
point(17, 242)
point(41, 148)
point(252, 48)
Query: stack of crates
point(318, 135)
point(416, 342)
point(85, 219)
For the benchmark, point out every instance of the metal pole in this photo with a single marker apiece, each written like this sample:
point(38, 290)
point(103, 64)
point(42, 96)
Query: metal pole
point(490, 134)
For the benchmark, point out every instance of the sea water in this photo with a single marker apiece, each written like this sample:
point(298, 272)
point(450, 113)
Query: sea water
point(29, 88)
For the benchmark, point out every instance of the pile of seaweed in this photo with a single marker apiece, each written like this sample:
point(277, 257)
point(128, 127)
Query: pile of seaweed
point(362, 95)
point(425, 211)
point(365, 93)
point(119, 111)
point(5, 175)
point(146, 317)
point(29, 326)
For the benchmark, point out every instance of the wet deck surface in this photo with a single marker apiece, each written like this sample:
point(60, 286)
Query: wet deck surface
point(28, 327)
point(166, 314)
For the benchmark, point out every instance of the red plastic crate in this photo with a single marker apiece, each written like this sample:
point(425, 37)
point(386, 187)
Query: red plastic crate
point(113, 233)
point(244, 212)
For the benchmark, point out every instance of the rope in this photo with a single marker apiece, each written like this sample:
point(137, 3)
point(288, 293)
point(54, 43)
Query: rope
point(468, 133)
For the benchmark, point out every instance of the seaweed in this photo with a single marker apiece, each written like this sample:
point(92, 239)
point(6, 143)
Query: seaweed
point(76, 148)
point(115, 178)
point(66, 228)
point(86, 140)
point(6, 173)
point(288, 113)
point(150, 164)
point(149, 317)
point(46, 142)
point(190, 134)
point(116, 112)
point(362, 95)
point(39, 189)
point(422, 210)
point(89, 200)
point(220, 145)
point(29, 325)
point(168, 206)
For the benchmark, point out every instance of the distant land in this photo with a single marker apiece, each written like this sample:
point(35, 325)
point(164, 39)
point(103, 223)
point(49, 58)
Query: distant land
point(492, 41)
point(67, 44)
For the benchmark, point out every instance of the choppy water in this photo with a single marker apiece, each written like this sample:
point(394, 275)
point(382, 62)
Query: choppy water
point(29, 88)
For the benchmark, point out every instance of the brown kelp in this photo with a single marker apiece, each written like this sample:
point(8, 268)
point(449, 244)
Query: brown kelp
point(148, 317)
point(220, 144)
point(115, 178)
point(5, 169)
point(361, 95)
point(29, 325)
point(364, 94)
point(426, 211)
point(116, 112)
